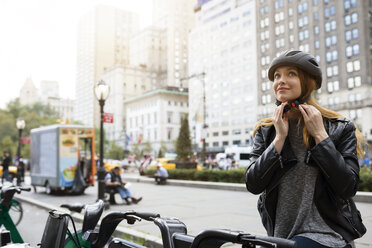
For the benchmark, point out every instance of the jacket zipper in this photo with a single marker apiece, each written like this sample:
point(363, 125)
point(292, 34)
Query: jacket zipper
point(350, 221)
point(272, 165)
point(308, 157)
point(325, 173)
point(268, 215)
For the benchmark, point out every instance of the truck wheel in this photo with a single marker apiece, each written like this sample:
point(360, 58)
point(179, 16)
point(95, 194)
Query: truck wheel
point(48, 189)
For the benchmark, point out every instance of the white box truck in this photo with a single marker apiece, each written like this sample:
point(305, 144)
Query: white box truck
point(62, 158)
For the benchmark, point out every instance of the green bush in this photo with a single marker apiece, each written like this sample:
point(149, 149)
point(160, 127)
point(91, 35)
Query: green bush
point(228, 176)
point(365, 180)
point(237, 176)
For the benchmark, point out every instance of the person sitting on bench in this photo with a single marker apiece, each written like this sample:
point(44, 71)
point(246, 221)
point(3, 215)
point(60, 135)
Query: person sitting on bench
point(161, 174)
point(113, 181)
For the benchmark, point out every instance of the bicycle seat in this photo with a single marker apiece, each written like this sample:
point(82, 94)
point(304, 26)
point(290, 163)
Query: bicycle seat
point(92, 215)
point(76, 207)
point(107, 228)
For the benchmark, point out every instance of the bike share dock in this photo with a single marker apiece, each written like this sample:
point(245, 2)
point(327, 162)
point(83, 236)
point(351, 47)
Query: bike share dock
point(198, 204)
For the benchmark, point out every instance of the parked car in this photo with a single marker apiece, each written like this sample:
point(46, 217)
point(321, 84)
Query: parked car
point(12, 171)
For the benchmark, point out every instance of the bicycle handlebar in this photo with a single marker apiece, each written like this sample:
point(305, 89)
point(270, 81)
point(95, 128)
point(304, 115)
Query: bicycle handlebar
point(217, 237)
point(145, 215)
point(7, 194)
point(280, 243)
point(28, 189)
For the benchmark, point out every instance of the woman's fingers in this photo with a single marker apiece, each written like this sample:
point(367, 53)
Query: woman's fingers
point(303, 112)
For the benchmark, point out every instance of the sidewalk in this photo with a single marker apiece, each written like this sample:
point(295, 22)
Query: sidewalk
point(359, 197)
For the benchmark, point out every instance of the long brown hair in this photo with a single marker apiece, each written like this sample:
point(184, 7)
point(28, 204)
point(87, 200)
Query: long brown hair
point(308, 87)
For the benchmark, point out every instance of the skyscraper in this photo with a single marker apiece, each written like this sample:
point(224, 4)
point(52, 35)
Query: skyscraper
point(176, 18)
point(28, 93)
point(103, 41)
point(338, 34)
point(223, 47)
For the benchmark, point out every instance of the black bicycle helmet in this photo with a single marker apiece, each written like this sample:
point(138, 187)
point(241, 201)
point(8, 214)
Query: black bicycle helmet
point(299, 59)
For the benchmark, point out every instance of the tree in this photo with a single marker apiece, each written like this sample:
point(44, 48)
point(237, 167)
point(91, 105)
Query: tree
point(136, 151)
point(183, 147)
point(7, 144)
point(163, 149)
point(97, 140)
point(35, 116)
point(147, 148)
point(115, 151)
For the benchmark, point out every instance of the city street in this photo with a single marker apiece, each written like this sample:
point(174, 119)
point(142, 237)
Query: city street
point(198, 208)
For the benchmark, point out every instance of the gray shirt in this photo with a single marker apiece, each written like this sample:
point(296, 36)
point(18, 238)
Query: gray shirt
point(296, 213)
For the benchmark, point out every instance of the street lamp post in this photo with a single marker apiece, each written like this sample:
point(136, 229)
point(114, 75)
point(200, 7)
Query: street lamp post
point(101, 91)
point(20, 126)
point(205, 126)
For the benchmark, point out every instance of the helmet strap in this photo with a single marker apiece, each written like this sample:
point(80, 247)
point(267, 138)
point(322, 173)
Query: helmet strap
point(292, 104)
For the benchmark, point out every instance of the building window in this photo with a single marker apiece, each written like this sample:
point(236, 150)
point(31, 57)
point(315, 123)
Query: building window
point(317, 44)
point(236, 142)
point(215, 144)
point(316, 30)
point(316, 16)
point(169, 133)
point(225, 143)
point(236, 131)
point(224, 133)
point(331, 56)
point(333, 86)
point(169, 117)
point(354, 18)
point(354, 82)
point(215, 134)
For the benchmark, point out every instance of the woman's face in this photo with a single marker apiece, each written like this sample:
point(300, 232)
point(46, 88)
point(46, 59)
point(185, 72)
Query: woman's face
point(287, 85)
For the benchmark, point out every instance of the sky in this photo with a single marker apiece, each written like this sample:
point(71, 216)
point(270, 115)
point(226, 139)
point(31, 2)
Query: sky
point(38, 40)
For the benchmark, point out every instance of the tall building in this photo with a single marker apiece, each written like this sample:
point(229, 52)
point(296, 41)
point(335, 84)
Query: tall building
point(28, 93)
point(155, 117)
point(222, 65)
point(125, 82)
point(338, 34)
point(63, 106)
point(176, 18)
point(148, 49)
point(48, 89)
point(103, 41)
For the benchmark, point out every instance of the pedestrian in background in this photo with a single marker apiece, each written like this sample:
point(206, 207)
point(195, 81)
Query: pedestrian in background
point(304, 161)
point(114, 181)
point(5, 164)
point(161, 175)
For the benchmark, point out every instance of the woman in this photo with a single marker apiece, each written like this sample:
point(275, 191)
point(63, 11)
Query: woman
point(304, 161)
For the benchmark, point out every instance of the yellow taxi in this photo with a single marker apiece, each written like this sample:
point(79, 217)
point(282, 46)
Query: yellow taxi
point(111, 164)
point(12, 171)
point(168, 163)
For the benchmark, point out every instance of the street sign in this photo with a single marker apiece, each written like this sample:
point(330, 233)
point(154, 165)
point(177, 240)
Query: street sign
point(25, 140)
point(108, 118)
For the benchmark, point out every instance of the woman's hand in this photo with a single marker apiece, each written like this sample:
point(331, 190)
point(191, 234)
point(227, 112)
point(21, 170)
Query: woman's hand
point(281, 125)
point(313, 122)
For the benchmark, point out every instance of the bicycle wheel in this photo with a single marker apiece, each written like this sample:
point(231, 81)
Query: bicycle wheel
point(16, 211)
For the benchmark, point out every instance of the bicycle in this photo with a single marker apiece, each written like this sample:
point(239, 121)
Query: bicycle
point(7, 203)
point(173, 232)
point(89, 236)
point(174, 235)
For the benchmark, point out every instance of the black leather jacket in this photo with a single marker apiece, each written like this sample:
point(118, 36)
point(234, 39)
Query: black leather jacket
point(336, 183)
